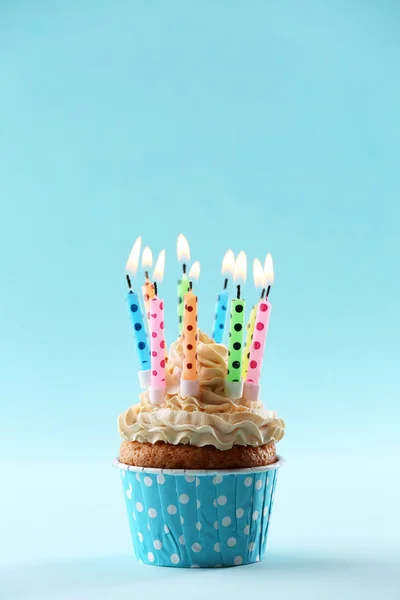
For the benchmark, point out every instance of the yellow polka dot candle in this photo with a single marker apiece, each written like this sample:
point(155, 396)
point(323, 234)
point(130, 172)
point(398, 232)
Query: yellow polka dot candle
point(233, 383)
point(189, 379)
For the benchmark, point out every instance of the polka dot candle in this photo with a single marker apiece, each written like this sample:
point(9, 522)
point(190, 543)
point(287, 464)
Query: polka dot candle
point(139, 330)
point(148, 294)
point(157, 348)
point(249, 338)
point(221, 309)
point(189, 372)
point(236, 331)
point(183, 288)
point(257, 347)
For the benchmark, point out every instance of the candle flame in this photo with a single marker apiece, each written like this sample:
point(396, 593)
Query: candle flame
point(269, 269)
point(158, 272)
point(133, 260)
point(182, 248)
point(258, 274)
point(228, 263)
point(194, 272)
point(240, 270)
point(147, 258)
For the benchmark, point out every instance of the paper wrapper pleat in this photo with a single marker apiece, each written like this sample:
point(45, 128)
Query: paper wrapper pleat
point(199, 518)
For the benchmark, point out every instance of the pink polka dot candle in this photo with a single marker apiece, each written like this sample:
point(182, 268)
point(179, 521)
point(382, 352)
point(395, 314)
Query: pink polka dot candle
point(157, 351)
point(157, 342)
point(257, 348)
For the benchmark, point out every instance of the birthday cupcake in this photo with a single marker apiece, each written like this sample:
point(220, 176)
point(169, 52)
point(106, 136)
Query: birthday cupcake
point(198, 458)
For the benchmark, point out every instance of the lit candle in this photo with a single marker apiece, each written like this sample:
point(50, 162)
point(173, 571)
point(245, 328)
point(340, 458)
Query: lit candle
point(257, 348)
point(157, 338)
point(234, 384)
point(183, 252)
point(136, 315)
point(147, 287)
point(189, 380)
point(223, 299)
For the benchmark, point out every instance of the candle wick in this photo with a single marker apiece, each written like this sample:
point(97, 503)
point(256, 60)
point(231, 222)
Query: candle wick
point(146, 274)
point(238, 292)
point(268, 291)
point(262, 294)
point(225, 283)
point(128, 279)
point(184, 268)
point(155, 288)
point(190, 286)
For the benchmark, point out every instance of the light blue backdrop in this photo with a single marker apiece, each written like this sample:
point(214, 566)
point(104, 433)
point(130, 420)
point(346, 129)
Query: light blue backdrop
point(263, 126)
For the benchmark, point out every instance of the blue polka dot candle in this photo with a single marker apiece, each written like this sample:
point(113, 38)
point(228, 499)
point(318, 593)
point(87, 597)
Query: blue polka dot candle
point(139, 330)
point(221, 307)
point(136, 316)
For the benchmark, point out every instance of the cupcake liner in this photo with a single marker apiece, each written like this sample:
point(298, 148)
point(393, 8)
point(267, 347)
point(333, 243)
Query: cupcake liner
point(188, 518)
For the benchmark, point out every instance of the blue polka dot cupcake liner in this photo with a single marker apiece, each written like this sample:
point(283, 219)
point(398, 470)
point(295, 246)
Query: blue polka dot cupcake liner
point(188, 518)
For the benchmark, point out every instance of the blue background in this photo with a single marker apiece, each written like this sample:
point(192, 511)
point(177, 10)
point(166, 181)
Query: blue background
point(268, 126)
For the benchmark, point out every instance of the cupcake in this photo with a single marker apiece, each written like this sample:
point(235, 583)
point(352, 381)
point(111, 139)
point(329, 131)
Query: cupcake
point(199, 471)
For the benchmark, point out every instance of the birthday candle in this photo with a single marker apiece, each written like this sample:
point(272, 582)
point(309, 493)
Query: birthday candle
point(257, 348)
point(190, 336)
point(249, 337)
point(157, 339)
point(189, 384)
point(223, 299)
point(183, 253)
point(236, 331)
point(157, 343)
point(136, 315)
point(147, 287)
point(138, 328)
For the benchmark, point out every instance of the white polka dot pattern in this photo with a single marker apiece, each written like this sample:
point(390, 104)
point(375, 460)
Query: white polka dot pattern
point(193, 521)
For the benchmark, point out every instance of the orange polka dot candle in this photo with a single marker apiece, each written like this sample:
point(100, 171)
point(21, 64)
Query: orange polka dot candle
point(147, 287)
point(189, 378)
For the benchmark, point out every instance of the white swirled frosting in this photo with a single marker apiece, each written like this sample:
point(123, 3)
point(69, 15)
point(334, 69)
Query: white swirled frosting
point(209, 419)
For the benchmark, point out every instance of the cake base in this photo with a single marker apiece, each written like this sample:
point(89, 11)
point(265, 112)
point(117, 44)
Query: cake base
point(183, 456)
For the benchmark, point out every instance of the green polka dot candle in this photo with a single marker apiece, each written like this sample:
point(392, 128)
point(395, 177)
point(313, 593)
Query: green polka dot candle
point(234, 384)
point(183, 288)
point(236, 331)
point(183, 253)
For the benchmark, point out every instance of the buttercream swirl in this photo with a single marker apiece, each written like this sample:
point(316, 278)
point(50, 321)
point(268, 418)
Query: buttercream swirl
point(209, 419)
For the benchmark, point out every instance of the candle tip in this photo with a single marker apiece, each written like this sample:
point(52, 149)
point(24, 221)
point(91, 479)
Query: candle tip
point(190, 286)
point(155, 288)
point(238, 292)
point(262, 294)
point(128, 279)
point(268, 291)
point(225, 283)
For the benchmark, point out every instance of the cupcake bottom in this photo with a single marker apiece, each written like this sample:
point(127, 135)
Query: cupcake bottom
point(199, 518)
point(183, 456)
